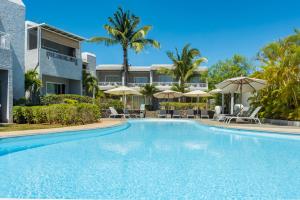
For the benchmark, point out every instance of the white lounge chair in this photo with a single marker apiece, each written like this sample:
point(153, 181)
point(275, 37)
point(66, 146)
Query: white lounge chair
point(115, 114)
point(252, 117)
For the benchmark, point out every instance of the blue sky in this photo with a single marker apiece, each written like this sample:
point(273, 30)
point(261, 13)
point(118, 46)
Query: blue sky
point(218, 28)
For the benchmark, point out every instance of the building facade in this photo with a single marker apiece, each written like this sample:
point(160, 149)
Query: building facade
point(111, 76)
point(12, 30)
point(56, 55)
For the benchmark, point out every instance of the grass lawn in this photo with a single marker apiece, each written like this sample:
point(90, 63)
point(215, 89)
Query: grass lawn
point(21, 127)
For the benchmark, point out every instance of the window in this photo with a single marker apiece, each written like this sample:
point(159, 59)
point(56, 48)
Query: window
point(194, 79)
point(140, 79)
point(112, 78)
point(55, 88)
point(165, 78)
point(32, 39)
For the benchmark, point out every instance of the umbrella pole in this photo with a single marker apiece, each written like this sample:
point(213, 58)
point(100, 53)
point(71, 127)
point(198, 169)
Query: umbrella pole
point(241, 97)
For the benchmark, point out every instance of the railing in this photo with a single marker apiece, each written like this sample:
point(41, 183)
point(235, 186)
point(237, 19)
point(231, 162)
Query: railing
point(137, 84)
point(4, 41)
point(109, 83)
point(52, 54)
point(198, 85)
point(164, 83)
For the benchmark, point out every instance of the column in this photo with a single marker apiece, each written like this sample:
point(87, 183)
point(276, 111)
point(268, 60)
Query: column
point(232, 103)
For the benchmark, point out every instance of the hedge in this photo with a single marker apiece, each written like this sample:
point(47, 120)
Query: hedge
point(58, 99)
point(65, 114)
point(183, 106)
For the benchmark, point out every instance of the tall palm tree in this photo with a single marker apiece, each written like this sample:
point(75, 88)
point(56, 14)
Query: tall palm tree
point(185, 63)
point(123, 30)
point(148, 91)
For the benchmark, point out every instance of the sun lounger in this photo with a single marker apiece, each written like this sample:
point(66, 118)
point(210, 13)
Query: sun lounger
point(252, 117)
point(115, 114)
point(162, 114)
point(176, 114)
point(204, 114)
point(190, 113)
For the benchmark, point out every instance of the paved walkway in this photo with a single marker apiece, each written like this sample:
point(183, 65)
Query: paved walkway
point(255, 127)
point(104, 123)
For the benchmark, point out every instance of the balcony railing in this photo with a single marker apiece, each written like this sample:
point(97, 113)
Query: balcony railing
point(137, 84)
point(52, 54)
point(109, 83)
point(4, 41)
point(164, 83)
point(198, 85)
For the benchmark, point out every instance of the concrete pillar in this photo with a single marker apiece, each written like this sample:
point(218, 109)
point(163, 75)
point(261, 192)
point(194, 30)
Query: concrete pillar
point(151, 77)
point(123, 78)
point(232, 103)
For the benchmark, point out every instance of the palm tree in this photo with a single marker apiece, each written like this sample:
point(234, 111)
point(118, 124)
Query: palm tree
point(184, 65)
point(91, 84)
point(148, 91)
point(33, 84)
point(123, 29)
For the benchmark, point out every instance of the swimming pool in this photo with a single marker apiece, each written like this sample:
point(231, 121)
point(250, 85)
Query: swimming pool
point(151, 159)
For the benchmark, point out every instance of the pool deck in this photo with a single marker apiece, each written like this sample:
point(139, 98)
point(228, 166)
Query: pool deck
point(104, 123)
point(253, 127)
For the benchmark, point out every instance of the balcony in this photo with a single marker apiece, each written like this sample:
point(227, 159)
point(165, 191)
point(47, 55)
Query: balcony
point(58, 65)
point(197, 86)
point(4, 41)
point(108, 85)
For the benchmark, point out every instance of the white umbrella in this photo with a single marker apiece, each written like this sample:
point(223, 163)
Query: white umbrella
point(168, 94)
point(123, 91)
point(198, 93)
point(241, 85)
point(216, 91)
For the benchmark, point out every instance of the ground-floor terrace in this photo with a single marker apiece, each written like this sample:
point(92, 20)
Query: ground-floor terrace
point(60, 85)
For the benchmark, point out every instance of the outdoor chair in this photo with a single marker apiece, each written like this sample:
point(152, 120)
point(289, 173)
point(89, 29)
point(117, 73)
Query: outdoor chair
point(162, 114)
point(252, 117)
point(204, 114)
point(115, 114)
point(176, 114)
point(190, 113)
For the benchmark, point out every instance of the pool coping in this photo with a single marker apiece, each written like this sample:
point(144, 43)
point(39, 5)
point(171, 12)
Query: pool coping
point(104, 123)
point(286, 130)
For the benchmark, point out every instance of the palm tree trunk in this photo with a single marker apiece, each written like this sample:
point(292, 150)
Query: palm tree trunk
point(125, 65)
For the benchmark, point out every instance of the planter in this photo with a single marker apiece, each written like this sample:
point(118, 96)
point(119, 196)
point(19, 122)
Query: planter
point(281, 122)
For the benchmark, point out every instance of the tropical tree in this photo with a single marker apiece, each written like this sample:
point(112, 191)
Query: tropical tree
point(281, 68)
point(236, 66)
point(91, 84)
point(33, 85)
point(185, 63)
point(123, 29)
point(148, 91)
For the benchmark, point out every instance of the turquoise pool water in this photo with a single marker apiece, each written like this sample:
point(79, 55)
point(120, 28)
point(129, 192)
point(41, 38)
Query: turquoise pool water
point(152, 159)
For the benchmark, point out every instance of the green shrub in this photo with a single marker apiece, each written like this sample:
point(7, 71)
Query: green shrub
point(80, 113)
point(59, 99)
point(183, 106)
point(104, 103)
point(70, 101)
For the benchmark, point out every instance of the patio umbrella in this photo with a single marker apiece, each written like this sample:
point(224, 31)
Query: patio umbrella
point(198, 94)
point(215, 91)
point(123, 91)
point(168, 94)
point(241, 85)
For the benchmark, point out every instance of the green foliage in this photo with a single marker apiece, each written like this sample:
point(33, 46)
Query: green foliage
point(183, 106)
point(148, 91)
point(59, 99)
point(185, 64)
point(236, 66)
point(281, 68)
point(65, 114)
point(70, 101)
point(90, 83)
point(104, 103)
point(33, 85)
point(123, 29)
